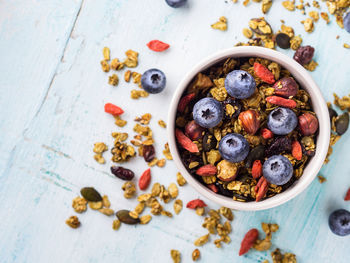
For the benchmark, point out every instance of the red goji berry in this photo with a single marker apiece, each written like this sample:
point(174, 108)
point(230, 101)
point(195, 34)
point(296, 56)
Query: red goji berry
point(207, 170)
point(248, 241)
point(113, 109)
point(257, 169)
point(184, 102)
point(297, 152)
point(145, 179)
point(263, 73)
point(266, 134)
point(195, 204)
point(213, 187)
point(288, 103)
point(347, 196)
point(157, 45)
point(261, 188)
point(186, 142)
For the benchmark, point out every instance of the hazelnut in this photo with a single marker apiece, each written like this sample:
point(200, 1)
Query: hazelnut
point(250, 121)
point(308, 124)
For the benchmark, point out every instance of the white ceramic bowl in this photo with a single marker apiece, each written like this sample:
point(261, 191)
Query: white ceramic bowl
point(319, 107)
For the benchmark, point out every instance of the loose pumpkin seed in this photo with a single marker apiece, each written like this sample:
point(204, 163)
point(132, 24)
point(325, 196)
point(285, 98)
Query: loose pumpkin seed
point(90, 194)
point(124, 217)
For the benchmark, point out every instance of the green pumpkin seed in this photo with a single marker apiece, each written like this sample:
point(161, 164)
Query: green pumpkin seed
point(342, 123)
point(124, 217)
point(332, 113)
point(90, 194)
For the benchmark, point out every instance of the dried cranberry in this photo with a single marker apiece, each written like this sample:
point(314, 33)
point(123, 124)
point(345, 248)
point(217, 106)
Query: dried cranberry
point(122, 173)
point(148, 152)
point(279, 145)
point(303, 55)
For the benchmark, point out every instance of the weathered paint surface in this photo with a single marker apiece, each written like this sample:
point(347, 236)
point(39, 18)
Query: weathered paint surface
point(52, 93)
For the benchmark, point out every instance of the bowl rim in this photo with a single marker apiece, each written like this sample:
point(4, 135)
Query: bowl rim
point(319, 106)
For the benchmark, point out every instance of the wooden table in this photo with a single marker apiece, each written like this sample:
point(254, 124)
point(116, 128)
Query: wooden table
point(52, 92)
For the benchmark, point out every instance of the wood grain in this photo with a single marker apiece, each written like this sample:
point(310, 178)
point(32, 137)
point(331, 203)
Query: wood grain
point(52, 93)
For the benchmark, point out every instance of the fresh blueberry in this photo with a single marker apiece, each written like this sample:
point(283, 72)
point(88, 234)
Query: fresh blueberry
point(234, 148)
point(277, 170)
point(176, 3)
point(153, 81)
point(282, 121)
point(339, 222)
point(346, 22)
point(207, 112)
point(240, 84)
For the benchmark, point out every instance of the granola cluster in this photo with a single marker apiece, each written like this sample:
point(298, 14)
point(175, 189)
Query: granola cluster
point(242, 181)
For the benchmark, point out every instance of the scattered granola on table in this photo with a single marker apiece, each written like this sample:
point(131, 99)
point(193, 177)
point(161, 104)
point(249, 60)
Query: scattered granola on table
point(175, 255)
point(224, 120)
point(221, 24)
point(73, 222)
point(99, 149)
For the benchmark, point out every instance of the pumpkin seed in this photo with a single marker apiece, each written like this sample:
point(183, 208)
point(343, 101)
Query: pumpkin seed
point(124, 217)
point(255, 154)
point(342, 123)
point(332, 113)
point(90, 194)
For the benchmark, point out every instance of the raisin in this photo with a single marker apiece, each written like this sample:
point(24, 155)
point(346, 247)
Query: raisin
point(303, 55)
point(279, 145)
point(122, 173)
point(223, 190)
point(283, 40)
point(148, 153)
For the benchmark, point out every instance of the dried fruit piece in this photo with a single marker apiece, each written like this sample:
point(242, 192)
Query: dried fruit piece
point(148, 152)
point(257, 169)
point(266, 134)
point(297, 151)
point(122, 173)
point(347, 196)
point(145, 179)
point(124, 217)
point(279, 145)
point(248, 241)
point(263, 73)
point(288, 103)
point(90, 194)
point(207, 170)
point(261, 188)
point(193, 130)
point(195, 203)
point(304, 55)
point(73, 222)
point(184, 102)
point(308, 123)
point(286, 87)
point(113, 109)
point(157, 45)
point(201, 240)
point(250, 121)
point(213, 187)
point(185, 142)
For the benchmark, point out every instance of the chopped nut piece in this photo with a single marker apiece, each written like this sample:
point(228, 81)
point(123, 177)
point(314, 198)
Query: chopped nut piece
point(73, 222)
point(106, 53)
point(105, 66)
point(132, 59)
point(173, 191)
point(161, 163)
point(180, 179)
point(308, 25)
point(100, 147)
point(139, 208)
point(136, 77)
point(202, 240)
point(343, 103)
point(145, 219)
point(119, 122)
point(311, 66)
point(325, 17)
point(166, 152)
point(79, 204)
point(346, 45)
point(226, 212)
point(136, 94)
point(99, 158)
point(162, 123)
point(321, 179)
point(106, 211)
point(166, 213)
point(113, 80)
point(196, 254)
point(116, 224)
point(200, 211)
point(122, 152)
point(144, 119)
point(221, 24)
point(178, 206)
point(314, 15)
point(119, 136)
point(133, 214)
point(143, 197)
point(105, 201)
point(116, 64)
point(153, 162)
point(247, 33)
point(266, 5)
point(95, 205)
point(127, 75)
point(295, 42)
point(155, 190)
point(175, 255)
point(129, 189)
point(289, 5)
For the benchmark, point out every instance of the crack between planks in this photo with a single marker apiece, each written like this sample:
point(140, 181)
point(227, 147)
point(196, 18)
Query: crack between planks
point(58, 64)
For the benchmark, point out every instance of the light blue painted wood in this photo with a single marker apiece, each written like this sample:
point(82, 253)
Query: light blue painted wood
point(52, 95)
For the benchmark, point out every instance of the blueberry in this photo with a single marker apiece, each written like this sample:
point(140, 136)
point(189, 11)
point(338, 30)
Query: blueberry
point(234, 148)
point(240, 84)
point(346, 22)
point(339, 222)
point(282, 121)
point(207, 112)
point(176, 3)
point(153, 81)
point(277, 170)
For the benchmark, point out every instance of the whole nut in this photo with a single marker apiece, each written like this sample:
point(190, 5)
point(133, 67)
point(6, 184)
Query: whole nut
point(250, 121)
point(308, 124)
point(286, 87)
point(194, 131)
